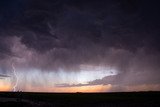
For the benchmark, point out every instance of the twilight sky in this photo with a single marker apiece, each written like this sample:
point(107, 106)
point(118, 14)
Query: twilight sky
point(79, 45)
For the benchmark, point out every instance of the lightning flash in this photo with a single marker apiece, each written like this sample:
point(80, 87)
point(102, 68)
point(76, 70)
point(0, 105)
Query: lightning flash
point(15, 74)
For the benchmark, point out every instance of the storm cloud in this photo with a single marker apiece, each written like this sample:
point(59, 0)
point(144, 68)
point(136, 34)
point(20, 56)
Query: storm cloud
point(56, 35)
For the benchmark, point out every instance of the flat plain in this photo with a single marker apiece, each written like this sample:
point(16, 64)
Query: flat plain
point(115, 99)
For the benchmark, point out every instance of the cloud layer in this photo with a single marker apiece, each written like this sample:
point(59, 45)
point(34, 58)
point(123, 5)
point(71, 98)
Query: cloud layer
point(63, 35)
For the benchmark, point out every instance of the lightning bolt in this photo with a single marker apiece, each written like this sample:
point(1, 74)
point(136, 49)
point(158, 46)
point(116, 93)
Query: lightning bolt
point(15, 74)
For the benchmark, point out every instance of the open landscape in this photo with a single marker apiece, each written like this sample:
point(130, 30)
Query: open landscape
point(120, 99)
point(79, 53)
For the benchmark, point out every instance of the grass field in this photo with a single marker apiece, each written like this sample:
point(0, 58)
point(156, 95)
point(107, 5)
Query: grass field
point(123, 99)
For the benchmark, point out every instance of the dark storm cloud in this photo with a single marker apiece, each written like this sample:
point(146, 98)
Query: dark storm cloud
point(3, 76)
point(55, 34)
point(44, 25)
point(71, 85)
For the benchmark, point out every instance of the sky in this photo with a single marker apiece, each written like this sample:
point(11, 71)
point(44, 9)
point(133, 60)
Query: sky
point(79, 45)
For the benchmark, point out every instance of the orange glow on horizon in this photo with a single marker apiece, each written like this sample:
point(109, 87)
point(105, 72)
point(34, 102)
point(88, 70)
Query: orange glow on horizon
point(91, 88)
point(5, 85)
point(94, 88)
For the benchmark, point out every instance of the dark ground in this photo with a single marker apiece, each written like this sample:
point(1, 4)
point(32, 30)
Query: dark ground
point(123, 99)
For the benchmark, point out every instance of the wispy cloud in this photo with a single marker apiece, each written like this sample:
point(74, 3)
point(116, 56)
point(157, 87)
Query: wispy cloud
point(2, 76)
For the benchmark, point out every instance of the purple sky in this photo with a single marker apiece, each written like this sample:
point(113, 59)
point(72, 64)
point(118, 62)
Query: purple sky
point(73, 45)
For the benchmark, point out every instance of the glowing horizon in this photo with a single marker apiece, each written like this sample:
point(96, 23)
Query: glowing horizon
point(84, 45)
